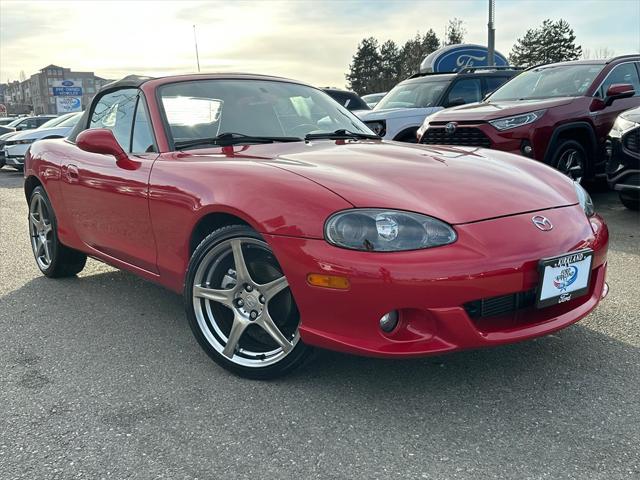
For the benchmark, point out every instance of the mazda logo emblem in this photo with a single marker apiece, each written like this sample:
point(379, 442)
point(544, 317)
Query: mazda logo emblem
point(450, 128)
point(543, 223)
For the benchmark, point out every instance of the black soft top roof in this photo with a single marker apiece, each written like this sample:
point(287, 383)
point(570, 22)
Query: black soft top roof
point(131, 81)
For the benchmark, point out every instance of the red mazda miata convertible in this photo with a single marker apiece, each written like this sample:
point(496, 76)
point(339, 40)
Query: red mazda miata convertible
point(287, 224)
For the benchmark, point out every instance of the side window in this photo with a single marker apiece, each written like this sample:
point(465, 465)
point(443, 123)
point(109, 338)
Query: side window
point(467, 90)
point(142, 140)
point(625, 73)
point(30, 123)
point(115, 111)
point(493, 83)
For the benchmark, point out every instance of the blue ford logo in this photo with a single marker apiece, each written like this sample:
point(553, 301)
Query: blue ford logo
point(67, 83)
point(565, 278)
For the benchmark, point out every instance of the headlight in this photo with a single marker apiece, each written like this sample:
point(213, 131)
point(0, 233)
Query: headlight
point(517, 120)
point(378, 127)
point(379, 230)
point(585, 200)
point(621, 126)
point(423, 128)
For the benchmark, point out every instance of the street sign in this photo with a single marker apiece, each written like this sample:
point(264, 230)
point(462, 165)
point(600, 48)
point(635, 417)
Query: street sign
point(69, 104)
point(67, 88)
point(454, 58)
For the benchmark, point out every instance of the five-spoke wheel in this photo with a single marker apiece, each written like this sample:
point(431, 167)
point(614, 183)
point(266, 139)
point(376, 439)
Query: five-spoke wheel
point(240, 306)
point(52, 257)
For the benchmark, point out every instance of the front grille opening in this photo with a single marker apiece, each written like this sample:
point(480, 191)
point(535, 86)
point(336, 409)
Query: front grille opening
point(463, 136)
point(502, 305)
point(632, 140)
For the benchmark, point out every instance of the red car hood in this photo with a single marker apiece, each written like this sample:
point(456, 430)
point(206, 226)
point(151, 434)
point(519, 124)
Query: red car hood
point(458, 185)
point(484, 111)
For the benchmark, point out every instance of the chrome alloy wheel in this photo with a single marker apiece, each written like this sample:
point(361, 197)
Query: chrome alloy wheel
point(243, 305)
point(40, 230)
point(571, 163)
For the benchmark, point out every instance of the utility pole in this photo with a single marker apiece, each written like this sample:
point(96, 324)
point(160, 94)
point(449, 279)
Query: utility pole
point(491, 43)
point(195, 42)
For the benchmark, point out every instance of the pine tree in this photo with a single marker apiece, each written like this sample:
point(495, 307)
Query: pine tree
point(551, 42)
point(364, 70)
point(414, 51)
point(455, 32)
point(390, 65)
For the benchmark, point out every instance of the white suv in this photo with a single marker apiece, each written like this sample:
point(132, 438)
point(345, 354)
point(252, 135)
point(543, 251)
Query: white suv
point(401, 112)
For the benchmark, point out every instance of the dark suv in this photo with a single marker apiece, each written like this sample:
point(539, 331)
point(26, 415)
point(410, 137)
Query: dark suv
point(623, 149)
point(559, 114)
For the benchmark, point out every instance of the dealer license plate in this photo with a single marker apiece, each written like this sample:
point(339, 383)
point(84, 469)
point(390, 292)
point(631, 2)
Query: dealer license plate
point(564, 277)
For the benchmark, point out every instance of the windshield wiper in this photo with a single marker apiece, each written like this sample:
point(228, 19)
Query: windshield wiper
point(340, 134)
point(232, 138)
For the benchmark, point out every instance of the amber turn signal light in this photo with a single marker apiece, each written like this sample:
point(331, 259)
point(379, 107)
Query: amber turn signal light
point(328, 281)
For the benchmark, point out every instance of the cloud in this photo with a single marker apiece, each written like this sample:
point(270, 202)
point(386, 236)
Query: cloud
point(309, 40)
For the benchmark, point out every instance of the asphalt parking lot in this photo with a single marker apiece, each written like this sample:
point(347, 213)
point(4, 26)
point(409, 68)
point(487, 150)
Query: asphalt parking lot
point(100, 377)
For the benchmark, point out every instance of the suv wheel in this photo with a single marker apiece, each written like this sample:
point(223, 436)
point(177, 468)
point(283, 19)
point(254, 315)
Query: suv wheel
point(570, 158)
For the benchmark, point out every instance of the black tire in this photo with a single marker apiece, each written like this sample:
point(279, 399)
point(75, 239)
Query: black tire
point(64, 261)
point(206, 316)
point(563, 162)
point(630, 200)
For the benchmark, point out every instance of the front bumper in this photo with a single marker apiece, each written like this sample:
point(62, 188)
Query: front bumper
point(623, 166)
point(431, 287)
point(482, 134)
point(14, 154)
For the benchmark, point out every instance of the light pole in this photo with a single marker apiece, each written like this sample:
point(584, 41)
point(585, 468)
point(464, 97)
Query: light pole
point(491, 43)
point(195, 42)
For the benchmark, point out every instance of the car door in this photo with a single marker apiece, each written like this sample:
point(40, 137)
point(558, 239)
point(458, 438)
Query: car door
point(108, 199)
point(627, 72)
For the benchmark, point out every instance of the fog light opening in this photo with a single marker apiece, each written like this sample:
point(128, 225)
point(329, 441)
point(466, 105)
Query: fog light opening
point(605, 290)
point(389, 321)
point(526, 149)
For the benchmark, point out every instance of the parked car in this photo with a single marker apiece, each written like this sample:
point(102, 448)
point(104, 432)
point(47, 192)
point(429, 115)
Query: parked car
point(3, 138)
point(15, 147)
point(286, 224)
point(373, 98)
point(349, 100)
point(623, 148)
point(559, 114)
point(29, 123)
point(401, 112)
point(6, 120)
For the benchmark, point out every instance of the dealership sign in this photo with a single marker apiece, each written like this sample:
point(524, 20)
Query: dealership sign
point(454, 58)
point(67, 88)
point(69, 104)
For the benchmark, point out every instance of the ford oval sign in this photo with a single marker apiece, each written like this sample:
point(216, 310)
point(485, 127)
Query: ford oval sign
point(454, 58)
point(67, 83)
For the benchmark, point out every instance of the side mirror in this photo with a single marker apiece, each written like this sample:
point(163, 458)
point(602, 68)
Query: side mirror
point(100, 140)
point(617, 91)
point(19, 128)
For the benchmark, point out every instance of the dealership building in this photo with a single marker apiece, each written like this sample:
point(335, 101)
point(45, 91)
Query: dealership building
point(52, 90)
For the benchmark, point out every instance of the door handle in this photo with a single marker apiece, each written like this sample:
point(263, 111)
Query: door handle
point(71, 172)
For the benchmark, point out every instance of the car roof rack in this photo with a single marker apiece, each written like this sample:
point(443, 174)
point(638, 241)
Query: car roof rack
point(468, 70)
point(489, 69)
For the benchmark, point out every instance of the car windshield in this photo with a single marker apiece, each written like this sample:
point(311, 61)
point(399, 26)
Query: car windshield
point(203, 109)
point(413, 95)
point(16, 122)
point(548, 82)
point(70, 120)
point(54, 122)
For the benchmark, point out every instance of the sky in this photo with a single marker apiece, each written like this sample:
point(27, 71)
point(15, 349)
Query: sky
point(312, 41)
